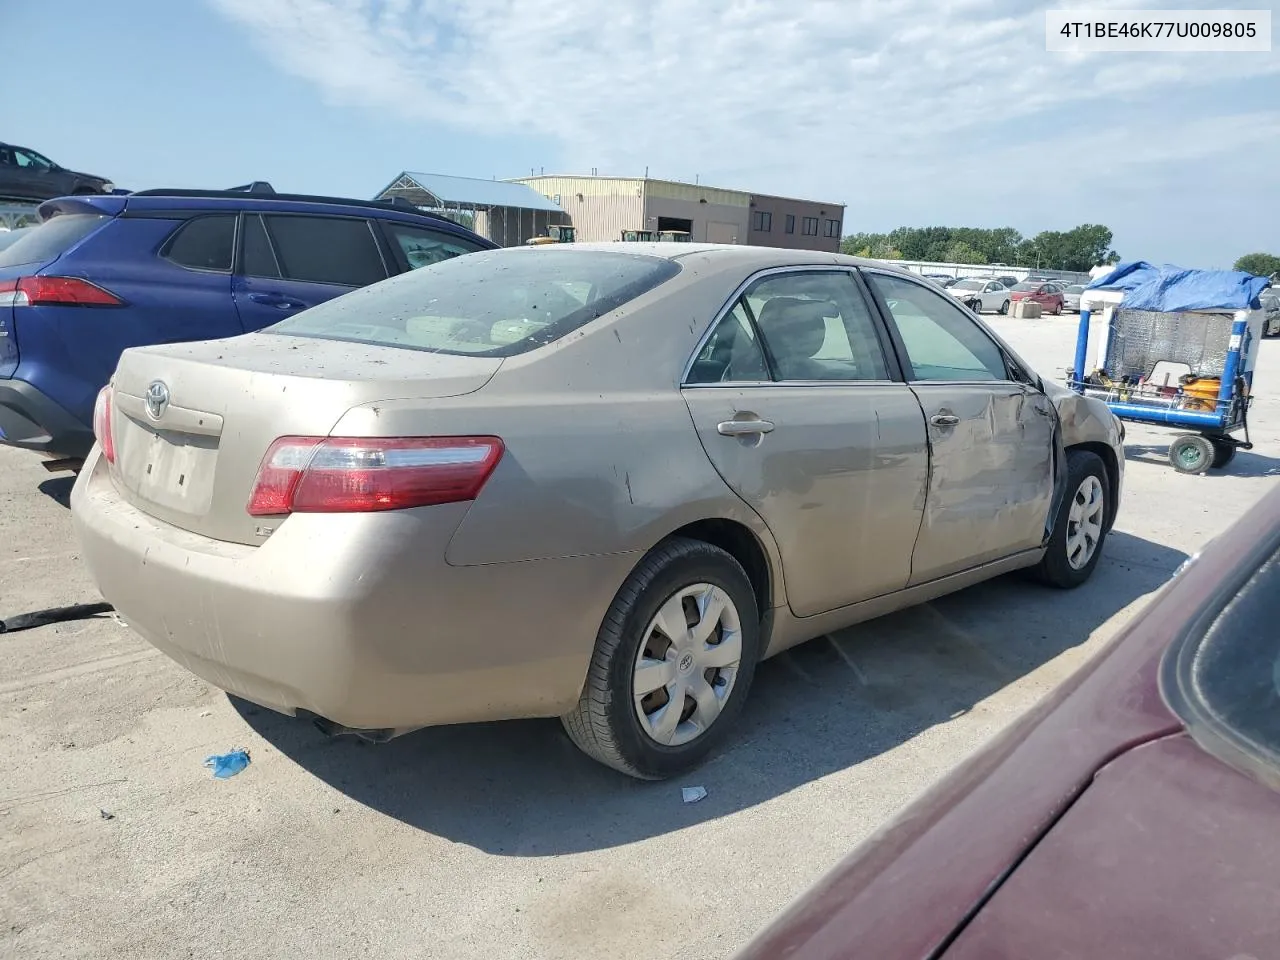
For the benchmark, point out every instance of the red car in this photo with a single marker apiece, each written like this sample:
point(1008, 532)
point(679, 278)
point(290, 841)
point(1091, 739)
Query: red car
point(1048, 295)
point(1133, 814)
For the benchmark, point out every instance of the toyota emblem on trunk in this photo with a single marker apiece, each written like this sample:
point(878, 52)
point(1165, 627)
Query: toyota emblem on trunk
point(157, 399)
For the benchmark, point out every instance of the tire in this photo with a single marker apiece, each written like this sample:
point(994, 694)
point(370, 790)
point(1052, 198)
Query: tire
point(1062, 565)
point(976, 306)
point(1191, 453)
point(1224, 451)
point(1057, 309)
point(1004, 308)
point(606, 724)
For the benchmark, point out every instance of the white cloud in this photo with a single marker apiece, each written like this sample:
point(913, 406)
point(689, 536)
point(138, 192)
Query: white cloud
point(775, 95)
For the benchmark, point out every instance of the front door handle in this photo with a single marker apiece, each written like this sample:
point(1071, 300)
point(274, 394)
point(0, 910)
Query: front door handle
point(944, 420)
point(742, 428)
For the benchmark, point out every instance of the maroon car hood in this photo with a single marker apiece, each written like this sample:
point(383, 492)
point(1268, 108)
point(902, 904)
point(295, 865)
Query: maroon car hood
point(1168, 853)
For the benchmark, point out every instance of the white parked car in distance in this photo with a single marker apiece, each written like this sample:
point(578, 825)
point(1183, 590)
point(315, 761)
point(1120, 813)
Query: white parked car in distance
point(980, 295)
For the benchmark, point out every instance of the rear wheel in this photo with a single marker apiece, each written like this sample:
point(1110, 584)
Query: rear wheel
point(1191, 453)
point(672, 665)
point(1057, 309)
point(1081, 525)
point(1004, 307)
point(1224, 451)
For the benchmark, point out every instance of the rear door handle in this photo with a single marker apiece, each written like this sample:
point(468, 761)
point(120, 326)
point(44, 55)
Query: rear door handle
point(739, 428)
point(277, 300)
point(944, 420)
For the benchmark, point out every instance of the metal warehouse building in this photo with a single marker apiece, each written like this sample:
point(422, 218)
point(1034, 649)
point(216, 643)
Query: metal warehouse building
point(606, 208)
point(506, 212)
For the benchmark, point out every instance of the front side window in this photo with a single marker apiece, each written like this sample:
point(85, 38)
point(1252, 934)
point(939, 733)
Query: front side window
point(810, 226)
point(816, 326)
point(1223, 676)
point(32, 160)
point(338, 250)
point(259, 257)
point(494, 303)
point(942, 343)
point(204, 243)
point(421, 247)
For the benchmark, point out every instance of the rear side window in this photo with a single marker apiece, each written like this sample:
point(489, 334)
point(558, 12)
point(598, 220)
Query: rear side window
point(488, 304)
point(326, 249)
point(51, 239)
point(205, 243)
point(421, 247)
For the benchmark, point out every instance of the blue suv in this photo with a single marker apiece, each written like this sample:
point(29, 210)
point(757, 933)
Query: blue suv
point(103, 273)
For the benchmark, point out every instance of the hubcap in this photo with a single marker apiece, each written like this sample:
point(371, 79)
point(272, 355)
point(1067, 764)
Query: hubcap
point(1084, 522)
point(1190, 456)
point(688, 664)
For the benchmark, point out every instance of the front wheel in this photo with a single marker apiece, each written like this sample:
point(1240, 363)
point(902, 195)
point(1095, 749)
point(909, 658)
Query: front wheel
point(672, 665)
point(1191, 453)
point(1081, 525)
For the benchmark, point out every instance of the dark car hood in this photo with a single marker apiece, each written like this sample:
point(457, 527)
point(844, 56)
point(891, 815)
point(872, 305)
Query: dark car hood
point(1103, 758)
point(88, 176)
point(1169, 853)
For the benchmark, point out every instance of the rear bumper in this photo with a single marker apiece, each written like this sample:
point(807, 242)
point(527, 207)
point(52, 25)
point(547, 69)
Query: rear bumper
point(357, 618)
point(32, 421)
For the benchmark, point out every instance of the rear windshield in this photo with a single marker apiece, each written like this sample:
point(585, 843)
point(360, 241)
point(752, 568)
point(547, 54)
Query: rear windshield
point(51, 239)
point(1027, 286)
point(487, 304)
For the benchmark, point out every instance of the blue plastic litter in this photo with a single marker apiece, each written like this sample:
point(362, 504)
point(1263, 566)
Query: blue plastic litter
point(226, 765)
point(1170, 289)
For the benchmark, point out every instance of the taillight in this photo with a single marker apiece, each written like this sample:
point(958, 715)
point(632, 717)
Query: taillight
point(55, 291)
point(102, 424)
point(363, 474)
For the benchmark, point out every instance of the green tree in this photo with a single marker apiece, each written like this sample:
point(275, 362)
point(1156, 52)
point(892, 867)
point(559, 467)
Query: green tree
point(1079, 249)
point(1259, 264)
point(962, 252)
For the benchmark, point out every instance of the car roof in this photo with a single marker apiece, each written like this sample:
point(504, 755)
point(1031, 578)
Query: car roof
point(213, 200)
point(723, 254)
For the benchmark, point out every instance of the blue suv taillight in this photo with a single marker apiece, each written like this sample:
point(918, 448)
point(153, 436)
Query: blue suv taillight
point(8, 343)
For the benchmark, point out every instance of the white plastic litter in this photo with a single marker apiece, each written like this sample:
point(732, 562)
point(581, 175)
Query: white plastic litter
point(693, 794)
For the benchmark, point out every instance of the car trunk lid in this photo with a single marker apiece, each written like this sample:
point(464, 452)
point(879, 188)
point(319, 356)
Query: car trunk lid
point(191, 422)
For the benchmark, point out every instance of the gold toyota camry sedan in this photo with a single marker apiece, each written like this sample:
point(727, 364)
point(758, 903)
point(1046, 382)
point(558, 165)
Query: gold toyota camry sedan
point(597, 482)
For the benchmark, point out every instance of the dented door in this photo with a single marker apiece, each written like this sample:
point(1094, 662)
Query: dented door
point(991, 474)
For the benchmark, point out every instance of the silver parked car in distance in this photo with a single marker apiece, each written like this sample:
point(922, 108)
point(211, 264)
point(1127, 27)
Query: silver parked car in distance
point(981, 295)
point(578, 481)
point(1071, 297)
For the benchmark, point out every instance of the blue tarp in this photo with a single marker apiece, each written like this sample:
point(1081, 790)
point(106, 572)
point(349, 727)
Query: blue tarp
point(1168, 289)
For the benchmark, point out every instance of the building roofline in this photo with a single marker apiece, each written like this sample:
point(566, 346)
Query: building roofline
point(678, 183)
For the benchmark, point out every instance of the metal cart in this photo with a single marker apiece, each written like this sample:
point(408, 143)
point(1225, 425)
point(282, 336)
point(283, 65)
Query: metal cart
point(1178, 350)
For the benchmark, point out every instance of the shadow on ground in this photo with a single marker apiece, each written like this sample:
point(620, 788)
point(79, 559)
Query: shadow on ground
point(58, 489)
point(521, 789)
point(1245, 463)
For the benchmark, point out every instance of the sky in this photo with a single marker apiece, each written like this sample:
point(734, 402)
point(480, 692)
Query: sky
point(910, 112)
